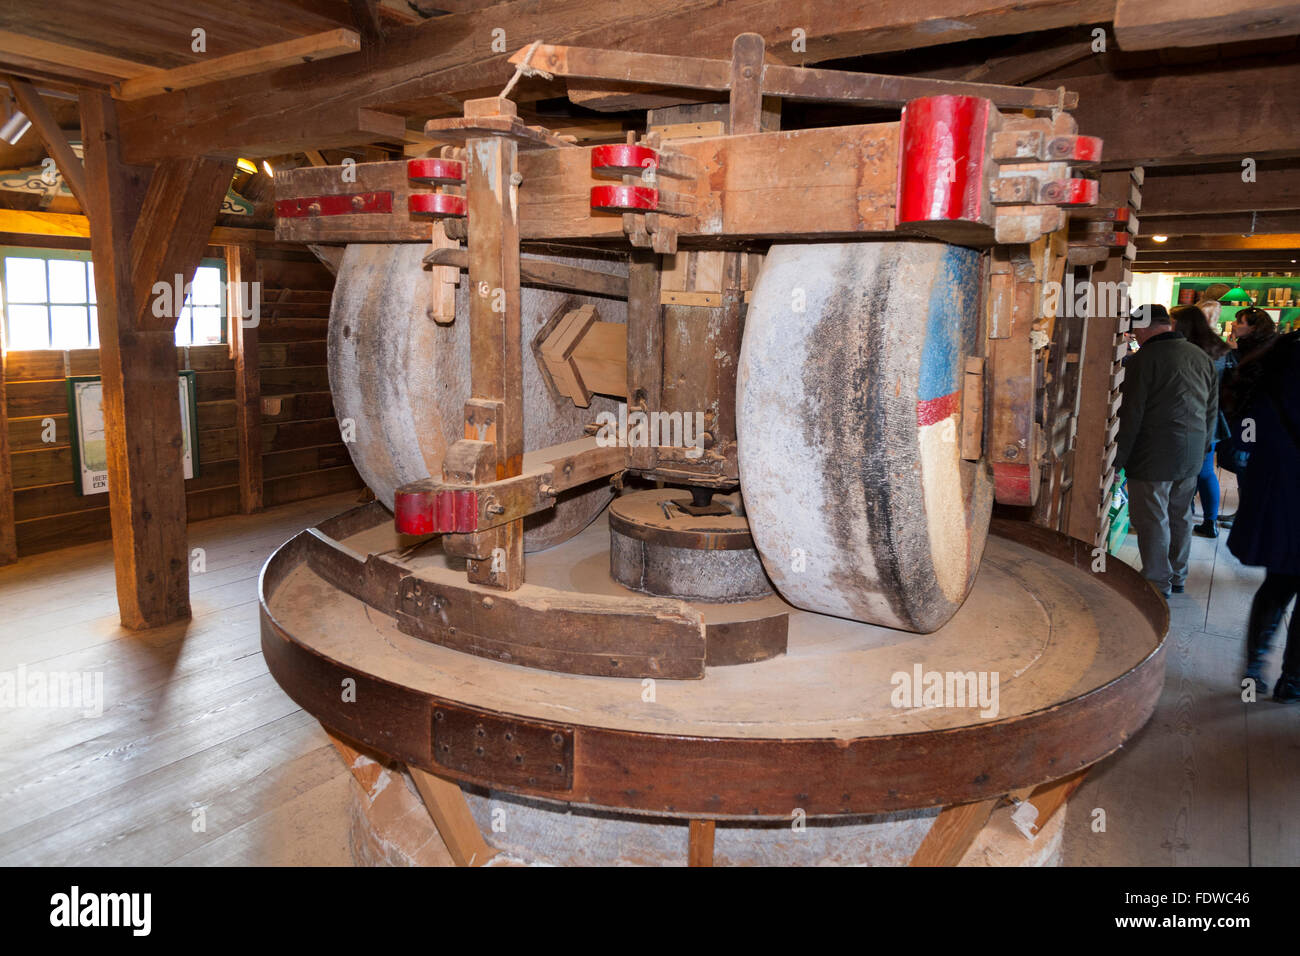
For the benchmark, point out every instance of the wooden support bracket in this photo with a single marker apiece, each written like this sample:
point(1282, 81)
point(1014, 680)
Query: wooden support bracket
point(450, 812)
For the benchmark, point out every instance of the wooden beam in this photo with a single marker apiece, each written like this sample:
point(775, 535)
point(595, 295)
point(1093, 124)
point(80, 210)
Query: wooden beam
point(145, 225)
point(70, 167)
point(1275, 185)
point(1204, 114)
point(450, 812)
point(175, 224)
point(700, 846)
point(415, 68)
point(496, 378)
point(952, 834)
point(1215, 267)
point(1230, 223)
point(146, 484)
point(20, 222)
point(28, 48)
point(274, 56)
point(839, 86)
point(241, 274)
point(1289, 242)
point(365, 13)
point(1051, 797)
point(8, 541)
point(1159, 24)
point(1220, 255)
point(1028, 64)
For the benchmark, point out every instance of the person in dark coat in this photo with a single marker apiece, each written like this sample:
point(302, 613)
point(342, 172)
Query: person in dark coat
point(1166, 420)
point(1191, 322)
point(1253, 332)
point(1267, 530)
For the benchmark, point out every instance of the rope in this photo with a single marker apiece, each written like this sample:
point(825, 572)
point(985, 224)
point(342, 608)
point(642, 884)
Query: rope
point(523, 69)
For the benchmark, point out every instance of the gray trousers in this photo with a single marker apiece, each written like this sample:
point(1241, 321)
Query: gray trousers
point(1161, 514)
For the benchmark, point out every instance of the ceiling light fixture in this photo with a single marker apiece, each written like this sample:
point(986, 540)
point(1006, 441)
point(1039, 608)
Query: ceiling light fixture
point(269, 171)
point(14, 127)
point(1159, 238)
point(246, 165)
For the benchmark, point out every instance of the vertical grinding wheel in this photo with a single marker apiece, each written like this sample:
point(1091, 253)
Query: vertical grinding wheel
point(849, 424)
point(403, 379)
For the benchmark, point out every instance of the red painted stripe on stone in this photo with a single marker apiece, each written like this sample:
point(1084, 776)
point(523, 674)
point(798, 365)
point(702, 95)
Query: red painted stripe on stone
point(932, 410)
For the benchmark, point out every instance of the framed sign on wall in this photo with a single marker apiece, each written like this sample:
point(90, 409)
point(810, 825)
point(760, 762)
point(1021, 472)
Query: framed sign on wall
point(89, 439)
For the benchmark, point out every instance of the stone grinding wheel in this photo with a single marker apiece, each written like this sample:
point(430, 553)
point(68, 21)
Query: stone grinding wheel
point(849, 426)
point(403, 379)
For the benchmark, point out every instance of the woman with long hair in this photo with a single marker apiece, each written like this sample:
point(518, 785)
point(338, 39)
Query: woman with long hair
point(1190, 321)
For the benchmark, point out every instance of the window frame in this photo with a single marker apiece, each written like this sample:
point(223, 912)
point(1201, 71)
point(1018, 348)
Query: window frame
point(92, 331)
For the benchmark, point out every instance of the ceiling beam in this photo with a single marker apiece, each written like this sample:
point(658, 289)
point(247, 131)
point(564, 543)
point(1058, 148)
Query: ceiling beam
point(1159, 24)
point(29, 50)
point(1183, 192)
point(1278, 242)
point(49, 225)
point(318, 46)
point(1210, 113)
point(414, 68)
point(1214, 267)
point(1234, 223)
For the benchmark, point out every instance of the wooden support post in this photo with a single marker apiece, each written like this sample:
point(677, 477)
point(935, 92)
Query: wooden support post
point(139, 236)
point(1051, 797)
point(495, 339)
point(241, 274)
point(8, 542)
point(645, 343)
point(450, 812)
point(700, 849)
point(954, 830)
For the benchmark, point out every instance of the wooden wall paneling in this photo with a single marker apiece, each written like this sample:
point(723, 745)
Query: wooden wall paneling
point(302, 452)
point(8, 542)
point(142, 234)
point(241, 268)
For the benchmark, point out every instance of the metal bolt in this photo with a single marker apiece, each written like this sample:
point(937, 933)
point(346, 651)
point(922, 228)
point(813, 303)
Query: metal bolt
point(488, 602)
point(516, 179)
point(1011, 451)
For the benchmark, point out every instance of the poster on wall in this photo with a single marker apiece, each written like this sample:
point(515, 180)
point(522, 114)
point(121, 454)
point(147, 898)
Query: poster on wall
point(89, 441)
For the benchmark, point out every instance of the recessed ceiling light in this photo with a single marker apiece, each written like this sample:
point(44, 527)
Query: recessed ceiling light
point(1160, 238)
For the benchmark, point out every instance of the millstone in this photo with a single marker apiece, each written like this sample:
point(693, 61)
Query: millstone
point(659, 548)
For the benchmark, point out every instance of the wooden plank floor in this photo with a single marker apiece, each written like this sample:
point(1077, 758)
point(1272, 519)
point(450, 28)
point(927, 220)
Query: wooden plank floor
point(192, 721)
point(1211, 780)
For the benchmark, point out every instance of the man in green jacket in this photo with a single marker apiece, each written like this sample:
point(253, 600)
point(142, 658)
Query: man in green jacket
point(1166, 420)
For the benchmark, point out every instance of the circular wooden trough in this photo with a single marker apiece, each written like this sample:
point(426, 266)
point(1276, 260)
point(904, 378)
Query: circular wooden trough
point(1076, 656)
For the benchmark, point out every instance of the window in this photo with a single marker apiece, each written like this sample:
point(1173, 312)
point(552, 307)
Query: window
point(49, 301)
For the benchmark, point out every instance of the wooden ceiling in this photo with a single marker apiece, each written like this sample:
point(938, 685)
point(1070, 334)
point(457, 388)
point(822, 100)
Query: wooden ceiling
point(1186, 92)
